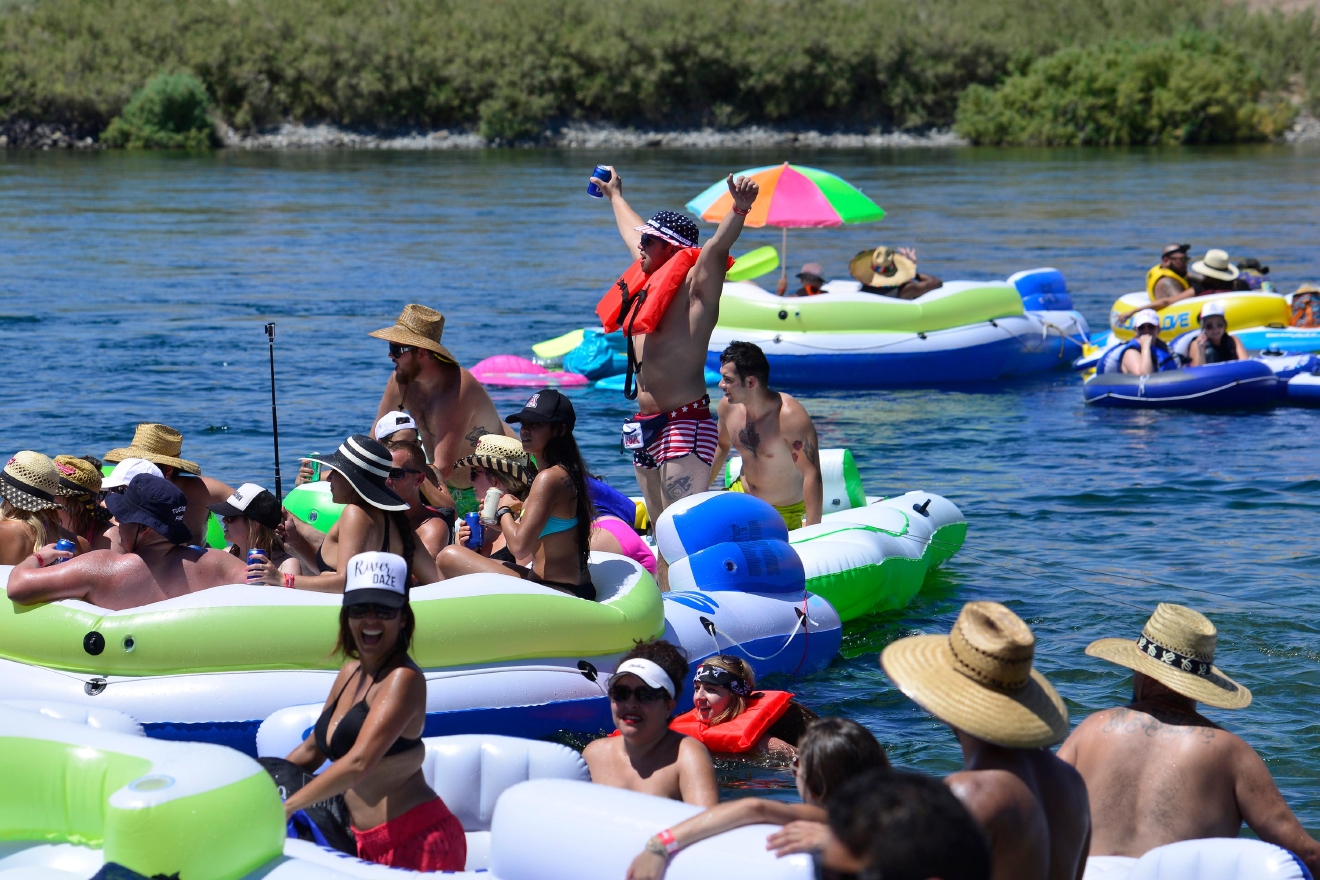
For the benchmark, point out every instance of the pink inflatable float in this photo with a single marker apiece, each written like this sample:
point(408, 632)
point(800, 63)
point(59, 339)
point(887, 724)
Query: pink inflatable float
point(509, 370)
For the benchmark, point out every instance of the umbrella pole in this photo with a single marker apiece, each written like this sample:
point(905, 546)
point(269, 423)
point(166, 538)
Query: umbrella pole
point(783, 256)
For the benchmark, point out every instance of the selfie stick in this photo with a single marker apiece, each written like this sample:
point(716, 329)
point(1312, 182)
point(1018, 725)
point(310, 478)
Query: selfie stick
point(274, 415)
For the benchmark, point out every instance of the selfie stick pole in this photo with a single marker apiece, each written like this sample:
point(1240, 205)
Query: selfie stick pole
point(274, 415)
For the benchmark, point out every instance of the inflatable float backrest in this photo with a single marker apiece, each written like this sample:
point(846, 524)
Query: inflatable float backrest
point(696, 522)
point(191, 810)
point(551, 829)
point(97, 718)
point(1042, 290)
point(745, 567)
point(1219, 859)
point(840, 480)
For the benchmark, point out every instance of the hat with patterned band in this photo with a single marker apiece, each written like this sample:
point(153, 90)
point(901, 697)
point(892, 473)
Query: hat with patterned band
point(77, 475)
point(677, 229)
point(365, 463)
point(499, 453)
point(882, 267)
point(30, 482)
point(158, 444)
point(1177, 648)
point(417, 326)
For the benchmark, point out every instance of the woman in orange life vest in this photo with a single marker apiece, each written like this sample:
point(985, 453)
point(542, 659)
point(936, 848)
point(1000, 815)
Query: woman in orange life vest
point(731, 717)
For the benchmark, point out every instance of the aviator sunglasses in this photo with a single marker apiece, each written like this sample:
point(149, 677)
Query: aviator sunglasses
point(621, 693)
point(381, 612)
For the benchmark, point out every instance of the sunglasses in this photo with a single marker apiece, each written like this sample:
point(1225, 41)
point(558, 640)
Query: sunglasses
point(621, 693)
point(230, 520)
point(398, 351)
point(380, 612)
point(399, 473)
point(648, 240)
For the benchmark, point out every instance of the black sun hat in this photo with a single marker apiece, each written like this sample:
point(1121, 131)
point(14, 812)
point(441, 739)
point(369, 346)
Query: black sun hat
point(365, 463)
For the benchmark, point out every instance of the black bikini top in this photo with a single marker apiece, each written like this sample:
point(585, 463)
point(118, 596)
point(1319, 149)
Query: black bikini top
point(350, 726)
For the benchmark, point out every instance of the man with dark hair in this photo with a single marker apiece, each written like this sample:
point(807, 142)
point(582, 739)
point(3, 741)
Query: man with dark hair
point(647, 756)
point(773, 434)
point(905, 826)
point(434, 525)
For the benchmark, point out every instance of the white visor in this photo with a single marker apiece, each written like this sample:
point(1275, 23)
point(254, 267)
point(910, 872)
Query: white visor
point(649, 672)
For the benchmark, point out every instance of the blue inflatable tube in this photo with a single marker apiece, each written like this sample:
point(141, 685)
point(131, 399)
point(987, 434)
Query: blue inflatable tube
point(1234, 385)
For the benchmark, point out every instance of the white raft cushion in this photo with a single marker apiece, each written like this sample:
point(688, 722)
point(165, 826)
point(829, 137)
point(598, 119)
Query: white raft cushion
point(1219, 858)
point(96, 717)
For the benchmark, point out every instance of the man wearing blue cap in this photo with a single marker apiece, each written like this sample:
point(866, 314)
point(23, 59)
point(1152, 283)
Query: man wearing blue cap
point(155, 563)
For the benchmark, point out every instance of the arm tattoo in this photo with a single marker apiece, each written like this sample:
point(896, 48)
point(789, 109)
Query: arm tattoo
point(749, 438)
point(474, 436)
point(811, 452)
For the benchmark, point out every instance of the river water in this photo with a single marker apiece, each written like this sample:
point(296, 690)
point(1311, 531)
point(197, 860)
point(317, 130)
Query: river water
point(134, 288)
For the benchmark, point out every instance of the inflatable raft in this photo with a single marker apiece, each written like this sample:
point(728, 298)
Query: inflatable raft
point(1232, 385)
point(511, 371)
point(1242, 309)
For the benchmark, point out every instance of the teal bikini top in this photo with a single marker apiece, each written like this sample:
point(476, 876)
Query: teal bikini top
point(556, 524)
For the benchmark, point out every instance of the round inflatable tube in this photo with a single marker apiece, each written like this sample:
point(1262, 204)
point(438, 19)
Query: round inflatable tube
point(1042, 290)
point(840, 479)
point(185, 809)
point(1286, 367)
point(745, 566)
point(538, 834)
point(1289, 340)
point(312, 503)
point(95, 717)
point(705, 519)
point(1220, 858)
point(1304, 389)
point(511, 371)
point(1242, 309)
point(1232, 385)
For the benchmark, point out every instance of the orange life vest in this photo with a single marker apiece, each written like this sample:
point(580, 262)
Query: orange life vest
point(637, 301)
point(742, 733)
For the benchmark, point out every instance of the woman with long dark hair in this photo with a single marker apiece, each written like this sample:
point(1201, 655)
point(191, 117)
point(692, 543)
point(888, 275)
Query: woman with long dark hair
point(553, 526)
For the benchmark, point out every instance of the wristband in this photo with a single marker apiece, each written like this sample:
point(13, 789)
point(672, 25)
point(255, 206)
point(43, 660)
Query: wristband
point(741, 213)
point(40, 562)
point(288, 581)
point(499, 514)
point(666, 839)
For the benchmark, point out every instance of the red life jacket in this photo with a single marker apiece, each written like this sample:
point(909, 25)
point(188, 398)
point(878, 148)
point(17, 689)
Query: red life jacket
point(637, 301)
point(742, 733)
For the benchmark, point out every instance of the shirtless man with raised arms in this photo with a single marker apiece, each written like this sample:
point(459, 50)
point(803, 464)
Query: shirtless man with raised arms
point(774, 435)
point(451, 407)
point(1158, 771)
point(154, 564)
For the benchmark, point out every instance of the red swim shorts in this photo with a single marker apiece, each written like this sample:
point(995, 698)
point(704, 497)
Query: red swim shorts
point(688, 430)
point(426, 838)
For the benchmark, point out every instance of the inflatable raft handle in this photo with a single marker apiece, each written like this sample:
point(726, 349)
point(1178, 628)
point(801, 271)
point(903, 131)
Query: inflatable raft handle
point(921, 508)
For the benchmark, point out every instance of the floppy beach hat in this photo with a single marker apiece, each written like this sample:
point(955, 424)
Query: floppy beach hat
point(546, 407)
point(979, 679)
point(882, 267)
point(1174, 249)
point(677, 229)
point(376, 577)
point(1177, 648)
point(158, 444)
point(392, 422)
point(419, 326)
point(365, 463)
point(1216, 265)
point(154, 502)
point(124, 472)
point(1210, 309)
point(499, 453)
point(813, 270)
point(1306, 288)
point(1144, 317)
point(252, 501)
point(77, 475)
point(30, 482)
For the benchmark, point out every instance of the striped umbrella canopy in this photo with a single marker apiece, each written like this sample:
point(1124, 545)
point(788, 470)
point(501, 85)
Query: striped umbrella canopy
point(792, 197)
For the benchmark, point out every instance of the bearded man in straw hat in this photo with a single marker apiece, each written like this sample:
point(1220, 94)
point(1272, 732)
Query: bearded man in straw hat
point(1158, 771)
point(451, 408)
point(978, 680)
point(161, 445)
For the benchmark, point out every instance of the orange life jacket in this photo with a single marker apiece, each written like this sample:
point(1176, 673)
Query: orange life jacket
point(637, 301)
point(742, 733)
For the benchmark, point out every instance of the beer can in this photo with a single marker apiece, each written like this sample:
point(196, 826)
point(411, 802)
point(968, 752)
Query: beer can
point(601, 173)
point(255, 556)
point(65, 544)
point(478, 536)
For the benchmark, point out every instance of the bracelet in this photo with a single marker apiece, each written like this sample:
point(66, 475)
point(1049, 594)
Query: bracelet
point(741, 213)
point(40, 562)
point(666, 839)
point(655, 847)
point(288, 581)
point(499, 514)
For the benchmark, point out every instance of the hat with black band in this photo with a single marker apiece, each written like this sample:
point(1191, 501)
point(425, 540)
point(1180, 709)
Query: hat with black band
point(365, 463)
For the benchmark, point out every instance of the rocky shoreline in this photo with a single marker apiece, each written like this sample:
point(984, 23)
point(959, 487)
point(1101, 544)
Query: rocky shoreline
point(28, 135)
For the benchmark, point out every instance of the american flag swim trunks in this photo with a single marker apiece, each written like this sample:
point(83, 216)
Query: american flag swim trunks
point(687, 430)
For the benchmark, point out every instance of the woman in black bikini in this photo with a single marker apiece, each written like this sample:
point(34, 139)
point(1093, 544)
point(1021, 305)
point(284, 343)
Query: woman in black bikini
point(374, 518)
point(371, 728)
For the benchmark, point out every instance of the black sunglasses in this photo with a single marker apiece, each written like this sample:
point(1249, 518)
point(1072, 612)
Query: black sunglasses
point(381, 612)
point(621, 693)
point(398, 351)
point(398, 473)
point(648, 240)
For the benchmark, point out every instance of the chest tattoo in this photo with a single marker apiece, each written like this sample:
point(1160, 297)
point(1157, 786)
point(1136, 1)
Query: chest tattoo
point(749, 439)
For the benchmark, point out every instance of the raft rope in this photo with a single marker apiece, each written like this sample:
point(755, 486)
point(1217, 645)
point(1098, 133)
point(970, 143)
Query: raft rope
point(715, 632)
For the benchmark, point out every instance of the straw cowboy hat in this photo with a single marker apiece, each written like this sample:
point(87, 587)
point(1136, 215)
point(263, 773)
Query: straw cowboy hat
point(419, 326)
point(882, 267)
point(1216, 265)
point(158, 444)
point(1177, 648)
point(30, 482)
point(77, 476)
point(979, 679)
point(499, 453)
point(365, 463)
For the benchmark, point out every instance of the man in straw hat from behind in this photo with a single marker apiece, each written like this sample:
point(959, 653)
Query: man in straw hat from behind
point(978, 680)
point(451, 408)
point(161, 445)
point(1157, 770)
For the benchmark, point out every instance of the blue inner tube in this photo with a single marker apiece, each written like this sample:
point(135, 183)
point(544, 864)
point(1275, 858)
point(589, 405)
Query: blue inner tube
point(1233, 385)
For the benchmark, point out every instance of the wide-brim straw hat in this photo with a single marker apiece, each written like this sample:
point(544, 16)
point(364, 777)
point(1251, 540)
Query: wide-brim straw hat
point(365, 463)
point(1306, 288)
point(30, 482)
point(77, 476)
point(158, 444)
point(979, 679)
point(1177, 648)
point(419, 326)
point(882, 267)
point(1216, 265)
point(499, 453)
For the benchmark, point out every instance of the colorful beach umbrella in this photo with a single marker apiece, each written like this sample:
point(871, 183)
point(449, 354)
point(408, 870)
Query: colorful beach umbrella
point(792, 197)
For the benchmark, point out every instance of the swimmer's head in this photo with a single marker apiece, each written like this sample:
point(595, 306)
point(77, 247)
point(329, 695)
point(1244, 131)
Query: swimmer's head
point(644, 690)
point(721, 688)
point(831, 751)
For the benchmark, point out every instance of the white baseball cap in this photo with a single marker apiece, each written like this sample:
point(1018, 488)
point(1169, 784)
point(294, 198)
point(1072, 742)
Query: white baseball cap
point(1212, 308)
point(394, 421)
point(647, 671)
point(376, 577)
point(1144, 317)
point(127, 469)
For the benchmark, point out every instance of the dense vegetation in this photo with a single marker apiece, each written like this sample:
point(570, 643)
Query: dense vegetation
point(510, 67)
point(169, 112)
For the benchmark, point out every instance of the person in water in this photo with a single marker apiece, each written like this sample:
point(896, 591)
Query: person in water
point(149, 560)
point(1157, 770)
point(251, 517)
point(891, 272)
point(1214, 345)
point(434, 525)
point(161, 445)
point(371, 729)
point(647, 756)
point(29, 516)
point(812, 278)
point(452, 409)
point(553, 526)
point(1166, 283)
point(673, 436)
point(978, 680)
point(723, 692)
point(1214, 273)
point(833, 750)
point(82, 518)
point(774, 435)
point(374, 518)
point(1146, 353)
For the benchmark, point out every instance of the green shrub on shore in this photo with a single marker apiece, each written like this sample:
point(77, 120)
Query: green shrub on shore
point(1192, 89)
point(170, 112)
